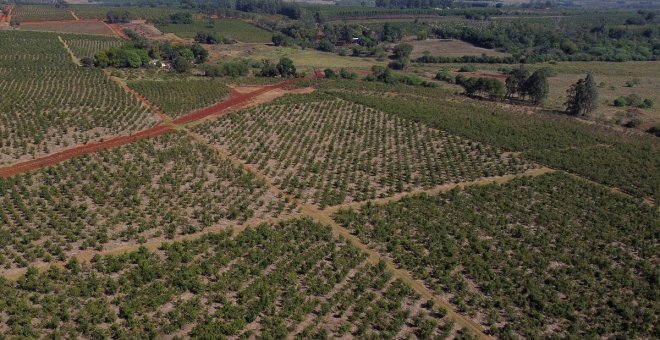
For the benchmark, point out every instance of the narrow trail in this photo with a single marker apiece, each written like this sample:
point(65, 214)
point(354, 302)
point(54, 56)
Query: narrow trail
point(442, 188)
point(68, 49)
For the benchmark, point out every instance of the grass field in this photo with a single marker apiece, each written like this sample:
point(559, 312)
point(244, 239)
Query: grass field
point(612, 78)
point(537, 257)
point(306, 59)
point(228, 28)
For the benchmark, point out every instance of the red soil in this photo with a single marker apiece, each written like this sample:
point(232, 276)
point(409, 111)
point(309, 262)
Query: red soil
point(6, 19)
point(235, 99)
point(117, 30)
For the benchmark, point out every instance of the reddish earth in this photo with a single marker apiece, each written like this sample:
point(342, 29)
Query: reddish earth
point(5, 19)
point(117, 30)
point(235, 100)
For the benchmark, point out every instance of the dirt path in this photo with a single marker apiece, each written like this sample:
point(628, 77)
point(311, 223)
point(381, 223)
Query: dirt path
point(117, 31)
point(73, 56)
point(214, 110)
point(153, 245)
point(442, 188)
point(325, 217)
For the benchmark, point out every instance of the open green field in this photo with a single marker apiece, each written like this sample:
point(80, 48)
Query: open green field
point(228, 28)
point(551, 256)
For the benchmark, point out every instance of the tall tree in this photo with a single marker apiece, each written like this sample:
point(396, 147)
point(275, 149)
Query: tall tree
point(582, 97)
point(537, 86)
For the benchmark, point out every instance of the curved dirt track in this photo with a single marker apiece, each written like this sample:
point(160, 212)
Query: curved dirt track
point(234, 100)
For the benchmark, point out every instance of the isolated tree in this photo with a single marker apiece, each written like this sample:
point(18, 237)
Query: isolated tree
point(582, 97)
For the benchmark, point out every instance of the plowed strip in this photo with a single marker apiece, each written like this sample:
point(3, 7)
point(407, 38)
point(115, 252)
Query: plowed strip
point(234, 100)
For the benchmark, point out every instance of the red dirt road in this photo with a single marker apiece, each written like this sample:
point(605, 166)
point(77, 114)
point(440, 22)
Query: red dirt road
point(54, 158)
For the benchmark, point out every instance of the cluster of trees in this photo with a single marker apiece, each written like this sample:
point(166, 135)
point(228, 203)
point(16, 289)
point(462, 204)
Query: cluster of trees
point(576, 38)
point(525, 85)
point(484, 86)
point(235, 68)
point(482, 59)
point(115, 17)
point(582, 97)
point(284, 68)
point(175, 18)
point(414, 3)
point(140, 52)
point(385, 75)
point(213, 38)
point(343, 74)
point(401, 55)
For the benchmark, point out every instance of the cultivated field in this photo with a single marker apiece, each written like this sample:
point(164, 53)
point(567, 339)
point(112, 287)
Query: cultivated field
point(449, 48)
point(86, 46)
point(290, 279)
point(24, 13)
point(537, 257)
point(147, 190)
point(228, 28)
point(178, 97)
point(332, 152)
point(49, 103)
point(78, 27)
point(624, 161)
